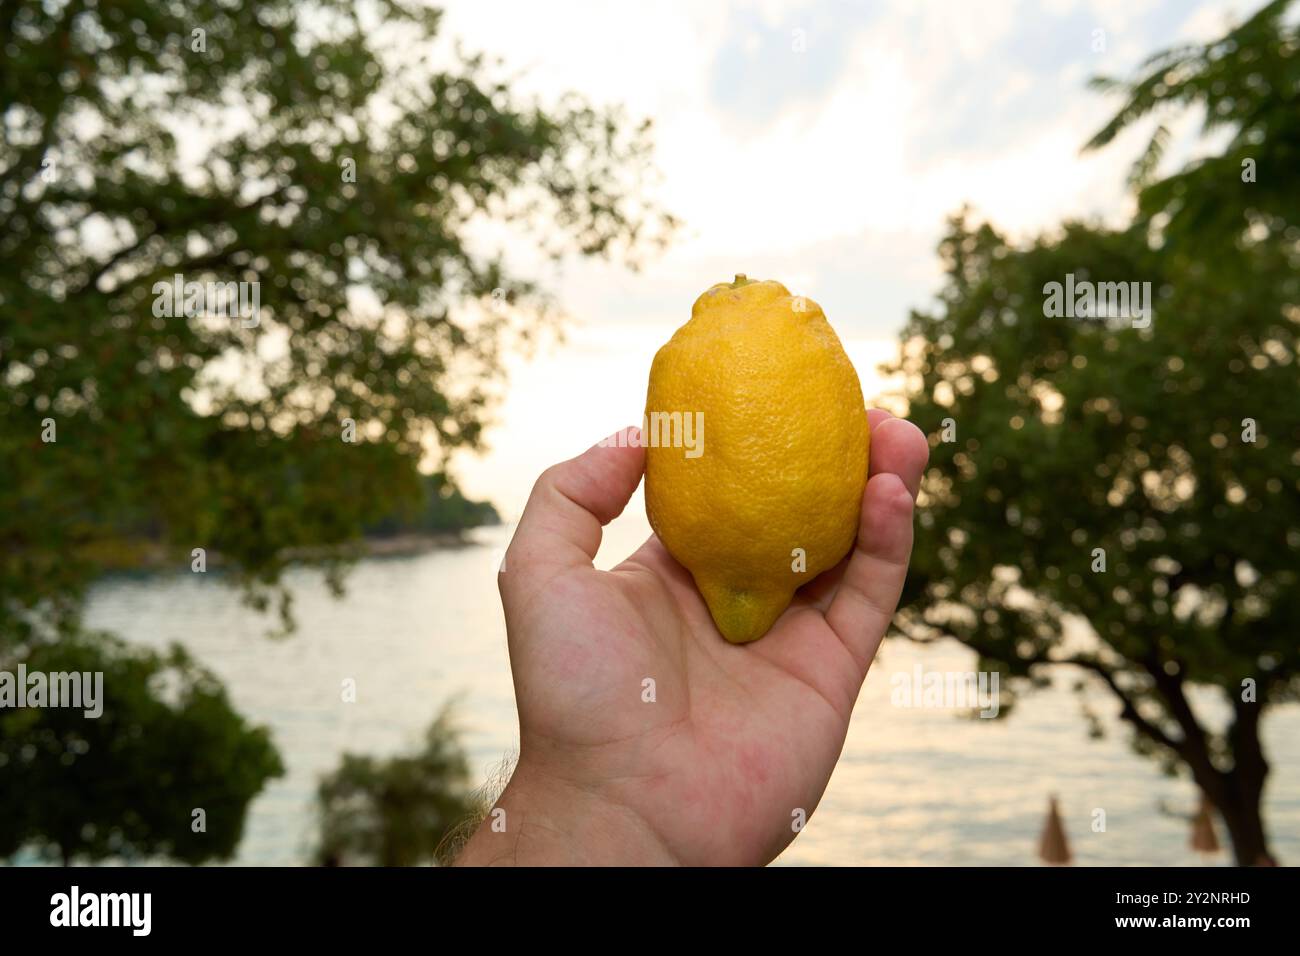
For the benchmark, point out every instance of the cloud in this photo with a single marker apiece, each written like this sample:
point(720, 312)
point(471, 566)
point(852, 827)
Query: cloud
point(884, 125)
point(831, 169)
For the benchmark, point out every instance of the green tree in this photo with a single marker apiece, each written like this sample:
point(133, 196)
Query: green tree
point(167, 768)
point(1247, 85)
point(396, 812)
point(1140, 482)
point(443, 509)
point(331, 158)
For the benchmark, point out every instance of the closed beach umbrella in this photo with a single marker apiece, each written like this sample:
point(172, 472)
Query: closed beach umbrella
point(1204, 839)
point(1053, 847)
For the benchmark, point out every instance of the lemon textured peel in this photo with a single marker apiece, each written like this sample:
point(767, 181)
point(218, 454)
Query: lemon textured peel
point(765, 491)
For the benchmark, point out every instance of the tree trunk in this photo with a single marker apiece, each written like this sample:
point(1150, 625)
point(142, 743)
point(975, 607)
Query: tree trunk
point(1246, 830)
point(1237, 793)
point(1243, 790)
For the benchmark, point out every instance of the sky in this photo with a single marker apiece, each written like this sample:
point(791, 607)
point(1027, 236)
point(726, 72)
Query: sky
point(822, 144)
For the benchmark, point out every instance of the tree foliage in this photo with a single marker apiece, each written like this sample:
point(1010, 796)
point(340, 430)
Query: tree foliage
point(128, 783)
point(396, 812)
point(353, 172)
point(1169, 451)
point(442, 509)
point(129, 157)
point(1246, 86)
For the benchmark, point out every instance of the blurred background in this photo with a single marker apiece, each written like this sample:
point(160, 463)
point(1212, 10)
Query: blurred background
point(297, 299)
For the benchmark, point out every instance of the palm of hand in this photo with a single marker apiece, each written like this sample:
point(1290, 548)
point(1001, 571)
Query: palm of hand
point(721, 750)
point(626, 689)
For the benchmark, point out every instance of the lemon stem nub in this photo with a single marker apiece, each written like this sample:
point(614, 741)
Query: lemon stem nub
point(741, 279)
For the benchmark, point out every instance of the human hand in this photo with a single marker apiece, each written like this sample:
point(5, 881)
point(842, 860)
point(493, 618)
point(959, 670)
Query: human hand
point(739, 739)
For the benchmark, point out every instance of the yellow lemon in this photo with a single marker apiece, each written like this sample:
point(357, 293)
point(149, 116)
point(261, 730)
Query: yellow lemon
point(756, 450)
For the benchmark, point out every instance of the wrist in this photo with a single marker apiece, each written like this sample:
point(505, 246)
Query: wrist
point(542, 819)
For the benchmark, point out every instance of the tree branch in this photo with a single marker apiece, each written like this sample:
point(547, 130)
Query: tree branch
point(1129, 711)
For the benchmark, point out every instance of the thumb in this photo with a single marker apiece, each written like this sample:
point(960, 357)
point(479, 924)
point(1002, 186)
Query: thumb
point(571, 501)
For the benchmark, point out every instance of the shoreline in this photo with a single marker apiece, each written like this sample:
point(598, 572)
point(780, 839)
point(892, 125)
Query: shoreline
point(150, 557)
